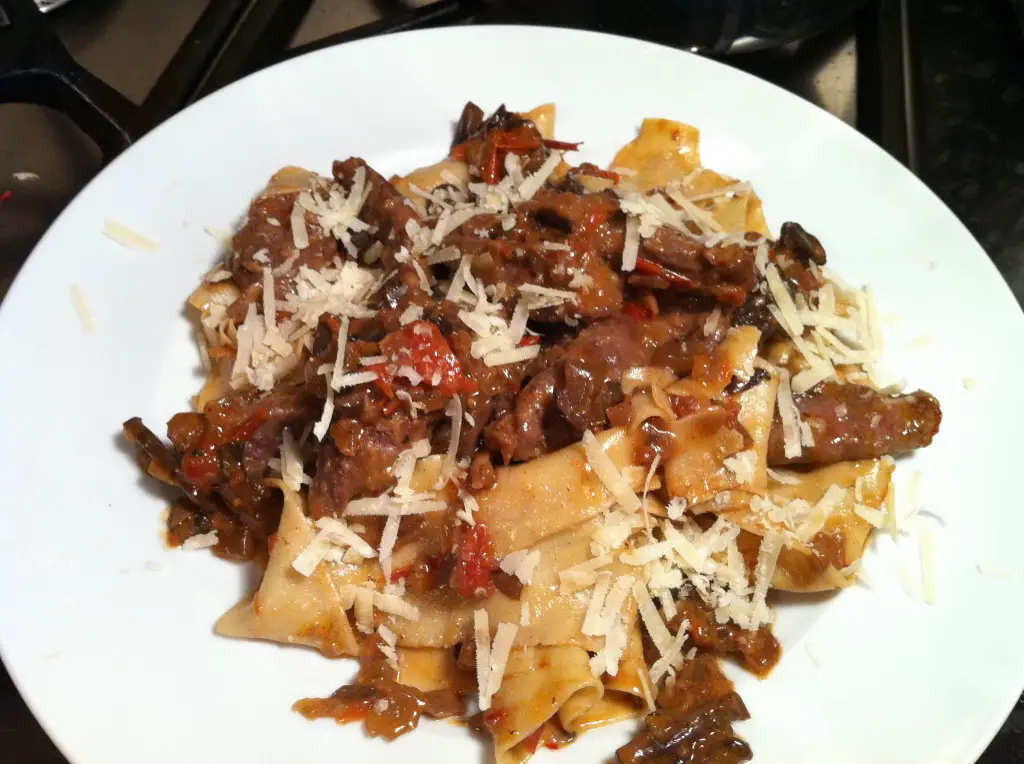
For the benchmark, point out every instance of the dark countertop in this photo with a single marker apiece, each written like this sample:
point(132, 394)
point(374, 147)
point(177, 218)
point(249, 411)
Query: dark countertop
point(971, 129)
point(971, 89)
point(970, 94)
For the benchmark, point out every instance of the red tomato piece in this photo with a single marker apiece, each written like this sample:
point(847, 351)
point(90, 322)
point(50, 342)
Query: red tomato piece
point(421, 346)
point(475, 562)
point(566, 146)
point(638, 311)
point(201, 467)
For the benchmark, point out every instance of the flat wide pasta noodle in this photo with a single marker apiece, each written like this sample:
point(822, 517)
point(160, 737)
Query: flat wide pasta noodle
point(703, 441)
point(539, 498)
point(431, 176)
point(623, 696)
point(534, 689)
point(696, 469)
point(757, 407)
point(819, 565)
point(294, 609)
point(290, 179)
point(663, 151)
point(736, 213)
point(430, 669)
point(556, 616)
point(289, 607)
point(543, 117)
point(428, 178)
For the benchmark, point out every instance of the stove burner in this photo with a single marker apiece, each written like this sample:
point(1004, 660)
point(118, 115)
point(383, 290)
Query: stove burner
point(233, 38)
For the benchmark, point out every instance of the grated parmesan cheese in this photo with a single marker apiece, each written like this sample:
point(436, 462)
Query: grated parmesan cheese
point(128, 238)
point(675, 508)
point(555, 295)
point(790, 417)
point(592, 622)
point(673, 654)
point(469, 507)
point(482, 638)
point(584, 574)
point(502, 357)
point(645, 688)
point(533, 183)
point(631, 245)
point(783, 478)
point(291, 463)
point(340, 534)
point(656, 628)
point(767, 558)
point(218, 275)
point(454, 412)
point(382, 506)
point(300, 236)
point(387, 646)
point(504, 637)
point(324, 423)
point(356, 378)
point(743, 465)
point(363, 604)
point(609, 474)
point(82, 311)
point(520, 564)
point(411, 314)
point(394, 605)
point(388, 538)
point(873, 516)
point(524, 613)
point(200, 541)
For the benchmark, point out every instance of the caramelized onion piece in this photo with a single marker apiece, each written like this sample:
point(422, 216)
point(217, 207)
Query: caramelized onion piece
point(702, 735)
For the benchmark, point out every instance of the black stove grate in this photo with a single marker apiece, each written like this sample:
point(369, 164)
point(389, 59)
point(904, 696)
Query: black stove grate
point(233, 38)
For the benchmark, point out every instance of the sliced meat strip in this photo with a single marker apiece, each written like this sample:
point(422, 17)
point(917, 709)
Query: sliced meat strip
point(685, 263)
point(592, 371)
point(385, 209)
point(531, 409)
point(678, 338)
point(560, 240)
point(342, 477)
point(855, 422)
point(266, 241)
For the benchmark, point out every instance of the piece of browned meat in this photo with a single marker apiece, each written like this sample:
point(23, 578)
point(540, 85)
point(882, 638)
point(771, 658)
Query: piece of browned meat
point(385, 209)
point(593, 368)
point(855, 422)
point(796, 253)
point(672, 260)
point(702, 735)
point(265, 241)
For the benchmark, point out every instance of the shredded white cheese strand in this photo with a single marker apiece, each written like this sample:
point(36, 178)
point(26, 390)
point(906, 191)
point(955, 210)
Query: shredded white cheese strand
point(609, 474)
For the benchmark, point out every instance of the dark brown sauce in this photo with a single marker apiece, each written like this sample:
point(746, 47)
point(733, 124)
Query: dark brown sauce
point(658, 440)
point(387, 709)
point(691, 735)
point(758, 650)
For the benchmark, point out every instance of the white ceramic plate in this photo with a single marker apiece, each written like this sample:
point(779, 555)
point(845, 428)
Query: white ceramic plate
point(109, 635)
